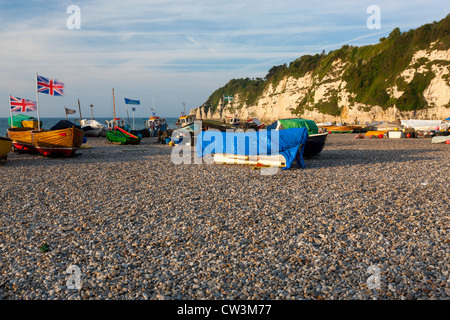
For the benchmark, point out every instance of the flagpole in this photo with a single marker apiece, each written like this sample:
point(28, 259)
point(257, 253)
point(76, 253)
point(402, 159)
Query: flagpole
point(65, 111)
point(37, 104)
point(128, 116)
point(133, 119)
point(10, 112)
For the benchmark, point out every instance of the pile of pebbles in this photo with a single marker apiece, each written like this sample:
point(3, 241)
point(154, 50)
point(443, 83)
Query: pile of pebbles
point(137, 226)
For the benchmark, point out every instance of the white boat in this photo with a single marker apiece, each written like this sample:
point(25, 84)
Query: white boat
point(425, 125)
point(384, 126)
point(91, 127)
point(156, 121)
point(116, 122)
point(234, 121)
point(184, 121)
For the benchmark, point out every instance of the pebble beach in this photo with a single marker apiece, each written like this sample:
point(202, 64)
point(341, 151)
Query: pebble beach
point(141, 227)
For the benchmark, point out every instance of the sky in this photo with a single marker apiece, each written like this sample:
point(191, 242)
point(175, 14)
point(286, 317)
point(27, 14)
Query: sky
point(166, 53)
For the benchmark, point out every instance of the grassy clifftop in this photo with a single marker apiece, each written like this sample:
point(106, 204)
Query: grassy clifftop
point(369, 73)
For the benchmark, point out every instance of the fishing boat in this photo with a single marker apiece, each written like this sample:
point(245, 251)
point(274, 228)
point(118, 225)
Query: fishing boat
point(21, 139)
point(116, 122)
point(253, 123)
point(184, 121)
point(316, 140)
point(426, 125)
point(5, 147)
point(155, 123)
point(385, 126)
point(121, 136)
point(117, 134)
point(91, 127)
point(338, 129)
point(233, 121)
point(62, 142)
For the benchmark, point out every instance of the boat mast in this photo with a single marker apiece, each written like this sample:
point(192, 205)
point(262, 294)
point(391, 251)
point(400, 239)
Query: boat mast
point(114, 106)
point(92, 112)
point(79, 109)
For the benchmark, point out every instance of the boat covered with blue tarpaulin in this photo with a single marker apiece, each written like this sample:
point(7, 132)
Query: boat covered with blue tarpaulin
point(289, 143)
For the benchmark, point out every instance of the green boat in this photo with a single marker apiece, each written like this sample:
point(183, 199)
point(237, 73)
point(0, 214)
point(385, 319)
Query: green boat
point(120, 136)
point(316, 140)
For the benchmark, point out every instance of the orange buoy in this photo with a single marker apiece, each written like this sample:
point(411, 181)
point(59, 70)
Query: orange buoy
point(447, 141)
point(380, 136)
point(408, 135)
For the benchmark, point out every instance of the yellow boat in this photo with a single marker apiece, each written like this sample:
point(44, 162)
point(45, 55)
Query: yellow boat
point(21, 138)
point(62, 142)
point(338, 129)
point(5, 147)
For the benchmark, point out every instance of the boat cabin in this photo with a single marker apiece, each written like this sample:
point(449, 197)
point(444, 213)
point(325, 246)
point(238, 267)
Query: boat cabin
point(157, 122)
point(234, 121)
point(121, 123)
point(186, 120)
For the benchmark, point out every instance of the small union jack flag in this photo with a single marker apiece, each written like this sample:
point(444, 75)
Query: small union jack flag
point(21, 105)
point(50, 86)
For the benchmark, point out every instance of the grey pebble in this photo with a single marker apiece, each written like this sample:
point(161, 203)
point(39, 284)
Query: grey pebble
point(140, 227)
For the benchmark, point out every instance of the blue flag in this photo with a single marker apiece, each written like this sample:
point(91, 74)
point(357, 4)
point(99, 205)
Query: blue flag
point(129, 101)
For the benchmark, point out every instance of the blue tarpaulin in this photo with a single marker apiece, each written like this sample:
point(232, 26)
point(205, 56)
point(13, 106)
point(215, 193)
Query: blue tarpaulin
point(290, 143)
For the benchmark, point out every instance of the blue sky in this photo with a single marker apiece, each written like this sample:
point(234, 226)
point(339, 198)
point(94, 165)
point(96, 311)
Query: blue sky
point(165, 53)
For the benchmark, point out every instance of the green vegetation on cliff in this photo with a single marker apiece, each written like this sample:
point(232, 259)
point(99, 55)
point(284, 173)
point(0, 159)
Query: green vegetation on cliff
point(369, 72)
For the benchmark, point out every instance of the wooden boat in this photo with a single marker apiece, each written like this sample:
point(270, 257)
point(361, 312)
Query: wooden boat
point(5, 147)
point(120, 136)
point(276, 160)
point(21, 138)
point(63, 142)
point(338, 129)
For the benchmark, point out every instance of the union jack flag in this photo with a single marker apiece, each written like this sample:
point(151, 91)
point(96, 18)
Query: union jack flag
point(21, 105)
point(50, 86)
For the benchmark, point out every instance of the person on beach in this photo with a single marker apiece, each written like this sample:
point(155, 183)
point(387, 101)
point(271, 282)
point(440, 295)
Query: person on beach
point(152, 129)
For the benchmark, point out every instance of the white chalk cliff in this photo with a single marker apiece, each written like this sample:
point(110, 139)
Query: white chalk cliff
point(282, 100)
